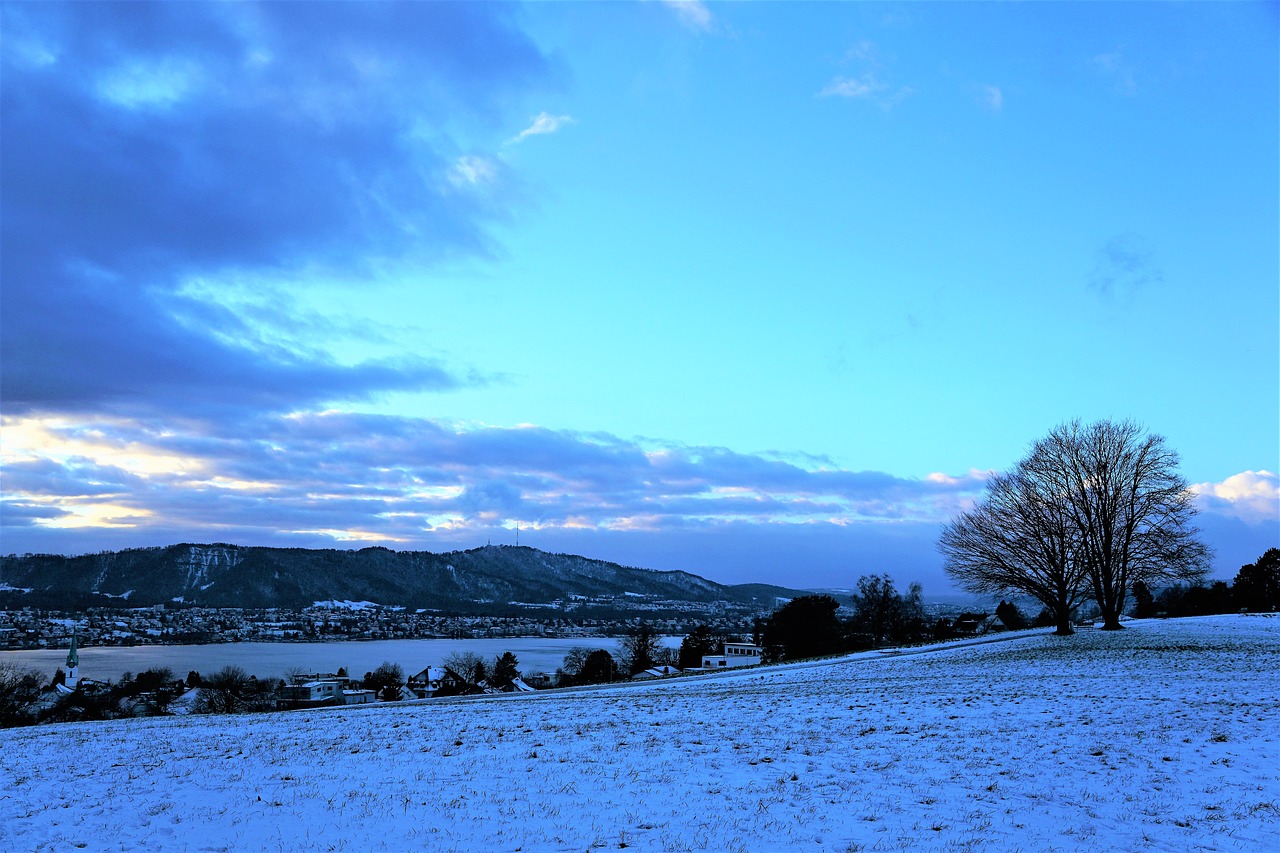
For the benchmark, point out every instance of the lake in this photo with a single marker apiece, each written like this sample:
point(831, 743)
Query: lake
point(271, 660)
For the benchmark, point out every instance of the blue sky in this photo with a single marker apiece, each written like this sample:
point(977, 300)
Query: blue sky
point(760, 291)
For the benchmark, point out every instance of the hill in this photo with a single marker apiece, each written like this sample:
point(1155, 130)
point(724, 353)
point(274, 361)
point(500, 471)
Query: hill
point(1159, 737)
point(233, 576)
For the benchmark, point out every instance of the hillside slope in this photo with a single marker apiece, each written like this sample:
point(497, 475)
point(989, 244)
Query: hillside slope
point(1165, 736)
point(234, 576)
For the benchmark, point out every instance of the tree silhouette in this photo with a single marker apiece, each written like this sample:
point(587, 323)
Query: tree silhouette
point(1092, 509)
point(804, 627)
point(1257, 585)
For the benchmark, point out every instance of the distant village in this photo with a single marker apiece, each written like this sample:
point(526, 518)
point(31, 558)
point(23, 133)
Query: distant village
point(176, 624)
point(809, 626)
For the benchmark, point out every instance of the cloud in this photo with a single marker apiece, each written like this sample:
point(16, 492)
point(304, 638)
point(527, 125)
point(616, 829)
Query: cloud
point(1251, 496)
point(1124, 266)
point(413, 480)
point(1115, 68)
point(325, 479)
point(147, 145)
point(540, 124)
point(868, 85)
point(472, 170)
point(991, 98)
point(692, 13)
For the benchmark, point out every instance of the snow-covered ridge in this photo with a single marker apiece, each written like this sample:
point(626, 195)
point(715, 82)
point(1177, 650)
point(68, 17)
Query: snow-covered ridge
point(199, 560)
point(349, 605)
point(4, 587)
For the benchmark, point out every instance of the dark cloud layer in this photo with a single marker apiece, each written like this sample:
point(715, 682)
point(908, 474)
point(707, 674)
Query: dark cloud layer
point(149, 143)
point(326, 479)
point(341, 476)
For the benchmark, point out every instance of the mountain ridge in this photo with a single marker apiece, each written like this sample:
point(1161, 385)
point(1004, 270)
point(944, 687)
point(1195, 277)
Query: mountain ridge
point(225, 575)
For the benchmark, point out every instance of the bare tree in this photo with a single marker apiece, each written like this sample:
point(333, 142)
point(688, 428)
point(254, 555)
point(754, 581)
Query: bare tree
point(224, 692)
point(468, 665)
point(639, 648)
point(884, 614)
point(387, 680)
point(1021, 538)
point(1092, 509)
point(1131, 508)
point(19, 690)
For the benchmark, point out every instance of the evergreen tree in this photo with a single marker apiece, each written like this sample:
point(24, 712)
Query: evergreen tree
point(1257, 585)
point(700, 641)
point(505, 671)
point(1144, 603)
point(598, 668)
point(1009, 614)
point(804, 627)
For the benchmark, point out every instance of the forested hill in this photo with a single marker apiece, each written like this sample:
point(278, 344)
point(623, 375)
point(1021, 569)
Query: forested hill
point(233, 576)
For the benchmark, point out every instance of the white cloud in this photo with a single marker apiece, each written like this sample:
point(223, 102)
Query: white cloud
point(991, 97)
point(542, 123)
point(1117, 69)
point(867, 86)
point(692, 13)
point(142, 85)
point(1252, 496)
point(472, 170)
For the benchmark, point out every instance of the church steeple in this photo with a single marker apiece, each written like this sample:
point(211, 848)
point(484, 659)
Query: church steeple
point(73, 664)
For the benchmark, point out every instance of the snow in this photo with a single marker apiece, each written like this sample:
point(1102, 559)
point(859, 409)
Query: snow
point(1165, 736)
point(334, 604)
point(4, 587)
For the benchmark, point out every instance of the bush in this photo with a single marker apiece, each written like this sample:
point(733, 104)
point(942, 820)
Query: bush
point(19, 689)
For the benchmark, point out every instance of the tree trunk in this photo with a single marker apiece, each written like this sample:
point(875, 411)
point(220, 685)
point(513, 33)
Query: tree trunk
point(1064, 628)
point(1111, 622)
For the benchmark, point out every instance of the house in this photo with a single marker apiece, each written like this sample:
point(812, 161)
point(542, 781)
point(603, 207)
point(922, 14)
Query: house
point(427, 682)
point(655, 672)
point(970, 624)
point(735, 654)
point(311, 694)
point(358, 697)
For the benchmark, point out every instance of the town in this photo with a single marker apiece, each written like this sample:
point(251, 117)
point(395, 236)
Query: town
point(178, 624)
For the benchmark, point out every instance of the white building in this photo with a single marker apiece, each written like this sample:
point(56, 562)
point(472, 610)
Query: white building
point(735, 654)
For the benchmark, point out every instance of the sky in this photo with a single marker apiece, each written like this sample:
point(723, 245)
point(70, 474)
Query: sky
point(760, 291)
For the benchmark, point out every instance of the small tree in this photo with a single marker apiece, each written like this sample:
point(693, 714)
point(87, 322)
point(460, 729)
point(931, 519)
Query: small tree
point(19, 689)
point(505, 671)
point(225, 691)
point(387, 680)
point(804, 627)
point(598, 668)
point(571, 666)
point(1144, 603)
point(1010, 616)
point(700, 641)
point(639, 648)
point(883, 614)
point(467, 665)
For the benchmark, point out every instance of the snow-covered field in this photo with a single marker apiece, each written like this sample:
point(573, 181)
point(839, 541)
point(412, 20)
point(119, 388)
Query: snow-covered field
point(1165, 736)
